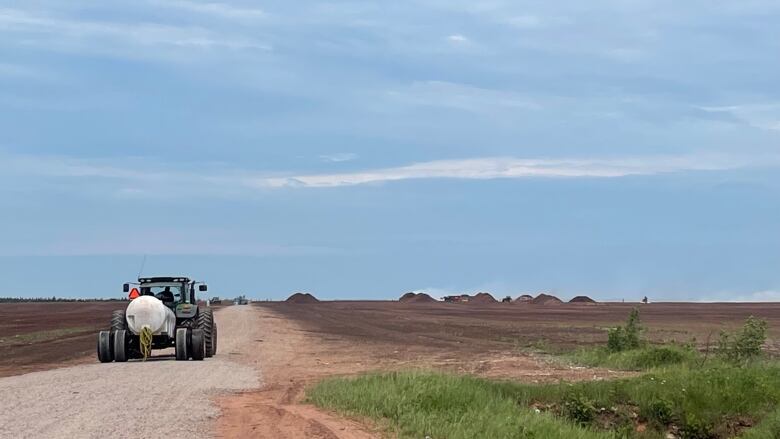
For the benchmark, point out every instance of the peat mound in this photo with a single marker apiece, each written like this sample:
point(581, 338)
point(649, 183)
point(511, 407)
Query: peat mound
point(416, 298)
point(582, 299)
point(525, 298)
point(482, 298)
point(546, 299)
point(302, 298)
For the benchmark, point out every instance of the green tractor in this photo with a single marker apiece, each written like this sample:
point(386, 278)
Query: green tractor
point(163, 313)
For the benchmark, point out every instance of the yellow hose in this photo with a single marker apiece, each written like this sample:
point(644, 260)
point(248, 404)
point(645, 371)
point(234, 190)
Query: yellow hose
point(146, 342)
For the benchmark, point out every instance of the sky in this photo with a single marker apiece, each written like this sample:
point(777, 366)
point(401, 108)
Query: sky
point(361, 149)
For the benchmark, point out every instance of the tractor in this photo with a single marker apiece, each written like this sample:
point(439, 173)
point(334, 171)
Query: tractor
point(163, 312)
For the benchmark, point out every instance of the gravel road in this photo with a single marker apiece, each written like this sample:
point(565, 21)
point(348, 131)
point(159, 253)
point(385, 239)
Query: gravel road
point(157, 398)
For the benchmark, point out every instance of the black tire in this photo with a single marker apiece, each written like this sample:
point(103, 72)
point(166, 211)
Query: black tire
point(205, 322)
point(181, 344)
point(104, 351)
point(120, 346)
point(118, 320)
point(198, 344)
point(214, 339)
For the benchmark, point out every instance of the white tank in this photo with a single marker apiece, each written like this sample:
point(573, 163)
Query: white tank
point(149, 310)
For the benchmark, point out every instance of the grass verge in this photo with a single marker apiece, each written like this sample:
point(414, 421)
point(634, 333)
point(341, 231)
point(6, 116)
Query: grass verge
point(415, 405)
point(718, 401)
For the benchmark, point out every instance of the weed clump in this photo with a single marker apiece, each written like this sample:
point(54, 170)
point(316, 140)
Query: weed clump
point(625, 338)
point(746, 345)
point(579, 409)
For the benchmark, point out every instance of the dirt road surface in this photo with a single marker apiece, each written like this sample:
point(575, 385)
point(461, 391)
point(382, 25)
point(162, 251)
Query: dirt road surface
point(158, 398)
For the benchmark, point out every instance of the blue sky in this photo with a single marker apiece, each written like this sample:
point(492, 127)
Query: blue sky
point(361, 150)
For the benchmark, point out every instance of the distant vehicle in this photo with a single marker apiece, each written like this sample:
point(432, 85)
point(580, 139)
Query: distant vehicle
point(507, 299)
point(241, 300)
point(215, 300)
point(463, 298)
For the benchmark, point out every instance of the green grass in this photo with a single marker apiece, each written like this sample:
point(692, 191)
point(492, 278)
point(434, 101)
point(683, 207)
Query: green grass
point(710, 400)
point(647, 357)
point(42, 336)
point(414, 404)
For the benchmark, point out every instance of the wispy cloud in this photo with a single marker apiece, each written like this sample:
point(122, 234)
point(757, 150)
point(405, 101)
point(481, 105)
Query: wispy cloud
point(509, 167)
point(338, 157)
point(156, 179)
point(58, 32)
point(458, 39)
point(23, 72)
point(756, 296)
point(223, 10)
point(764, 116)
point(461, 97)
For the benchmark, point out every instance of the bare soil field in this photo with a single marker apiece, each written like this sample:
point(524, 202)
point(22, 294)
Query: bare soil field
point(470, 329)
point(40, 336)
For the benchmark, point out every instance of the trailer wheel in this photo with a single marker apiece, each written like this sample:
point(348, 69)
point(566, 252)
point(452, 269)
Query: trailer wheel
point(105, 354)
point(205, 322)
point(120, 346)
point(181, 344)
point(198, 344)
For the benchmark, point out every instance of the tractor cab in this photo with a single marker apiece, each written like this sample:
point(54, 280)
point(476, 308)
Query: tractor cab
point(177, 293)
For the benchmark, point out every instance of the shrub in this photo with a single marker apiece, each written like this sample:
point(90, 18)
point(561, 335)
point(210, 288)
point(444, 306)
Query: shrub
point(659, 412)
point(623, 338)
point(745, 345)
point(579, 409)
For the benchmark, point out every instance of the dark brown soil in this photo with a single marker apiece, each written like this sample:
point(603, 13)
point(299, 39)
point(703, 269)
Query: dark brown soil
point(546, 299)
point(39, 336)
point(302, 298)
point(582, 299)
point(475, 330)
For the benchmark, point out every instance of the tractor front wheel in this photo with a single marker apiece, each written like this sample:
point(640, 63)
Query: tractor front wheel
point(104, 351)
point(181, 344)
point(197, 344)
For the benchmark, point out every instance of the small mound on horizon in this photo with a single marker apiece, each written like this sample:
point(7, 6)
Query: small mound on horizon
point(483, 298)
point(416, 298)
point(407, 297)
point(582, 299)
point(302, 298)
point(525, 298)
point(546, 299)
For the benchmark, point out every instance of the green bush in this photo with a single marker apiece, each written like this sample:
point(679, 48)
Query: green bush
point(624, 338)
point(745, 345)
point(579, 409)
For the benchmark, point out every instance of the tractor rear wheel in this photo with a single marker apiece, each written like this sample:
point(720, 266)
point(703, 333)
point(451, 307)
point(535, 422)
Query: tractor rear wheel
point(181, 344)
point(205, 322)
point(118, 320)
point(197, 344)
point(120, 346)
point(214, 339)
point(105, 354)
